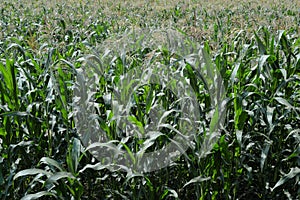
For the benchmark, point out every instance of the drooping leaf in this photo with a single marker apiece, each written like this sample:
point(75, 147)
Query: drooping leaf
point(52, 162)
point(295, 171)
point(59, 175)
point(284, 102)
point(197, 179)
point(38, 195)
point(32, 171)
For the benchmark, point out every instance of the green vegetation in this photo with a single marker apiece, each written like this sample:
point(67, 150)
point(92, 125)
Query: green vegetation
point(254, 44)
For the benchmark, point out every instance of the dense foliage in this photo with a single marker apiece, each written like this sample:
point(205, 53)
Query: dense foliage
point(254, 45)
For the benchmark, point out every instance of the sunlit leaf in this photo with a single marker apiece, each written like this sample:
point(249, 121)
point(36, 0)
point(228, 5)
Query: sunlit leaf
point(293, 173)
point(37, 195)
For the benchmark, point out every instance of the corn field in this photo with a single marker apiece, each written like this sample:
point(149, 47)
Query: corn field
point(74, 72)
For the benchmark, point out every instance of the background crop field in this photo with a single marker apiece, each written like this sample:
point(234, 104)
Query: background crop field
point(254, 45)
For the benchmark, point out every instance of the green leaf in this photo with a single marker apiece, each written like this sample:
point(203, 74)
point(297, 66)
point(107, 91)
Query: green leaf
point(97, 167)
point(270, 111)
point(214, 121)
point(32, 171)
point(242, 119)
point(293, 173)
point(264, 155)
point(284, 102)
point(261, 46)
point(234, 72)
point(14, 113)
point(76, 150)
point(108, 145)
point(38, 195)
point(136, 122)
point(7, 75)
point(59, 175)
point(197, 179)
point(173, 193)
point(239, 134)
point(131, 155)
point(50, 161)
point(261, 62)
point(150, 141)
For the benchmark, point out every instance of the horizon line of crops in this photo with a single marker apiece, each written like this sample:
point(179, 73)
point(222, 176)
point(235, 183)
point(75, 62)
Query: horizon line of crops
point(257, 155)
